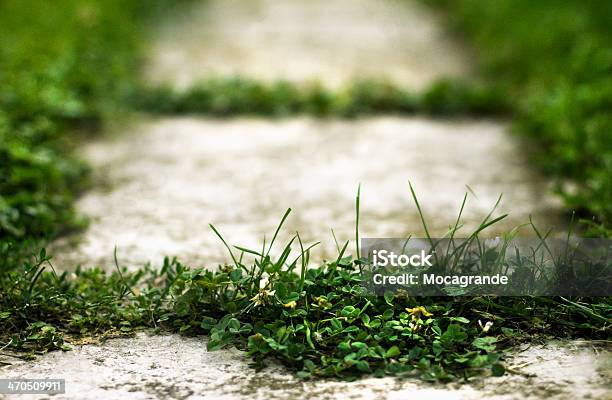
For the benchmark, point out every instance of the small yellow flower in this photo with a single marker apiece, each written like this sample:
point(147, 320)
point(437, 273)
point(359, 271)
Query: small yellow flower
point(417, 312)
point(226, 268)
point(322, 302)
point(290, 305)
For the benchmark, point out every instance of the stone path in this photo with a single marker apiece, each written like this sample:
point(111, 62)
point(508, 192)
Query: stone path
point(165, 179)
point(170, 178)
point(172, 367)
point(328, 40)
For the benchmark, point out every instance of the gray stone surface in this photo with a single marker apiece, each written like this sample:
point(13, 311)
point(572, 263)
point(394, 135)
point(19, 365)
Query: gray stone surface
point(331, 41)
point(169, 178)
point(171, 367)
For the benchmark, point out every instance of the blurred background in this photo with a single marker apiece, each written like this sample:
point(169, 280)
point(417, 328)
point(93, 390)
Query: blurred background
point(137, 123)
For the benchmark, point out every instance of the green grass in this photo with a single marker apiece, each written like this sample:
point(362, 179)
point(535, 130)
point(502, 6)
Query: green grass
point(239, 95)
point(554, 57)
point(65, 69)
point(318, 321)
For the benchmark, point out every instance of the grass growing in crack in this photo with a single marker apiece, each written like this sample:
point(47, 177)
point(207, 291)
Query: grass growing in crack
point(241, 95)
point(318, 321)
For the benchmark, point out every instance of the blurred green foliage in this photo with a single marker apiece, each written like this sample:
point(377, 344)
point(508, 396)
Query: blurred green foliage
point(239, 95)
point(64, 66)
point(70, 65)
point(555, 59)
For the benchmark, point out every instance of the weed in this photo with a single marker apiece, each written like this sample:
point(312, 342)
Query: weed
point(240, 95)
point(319, 321)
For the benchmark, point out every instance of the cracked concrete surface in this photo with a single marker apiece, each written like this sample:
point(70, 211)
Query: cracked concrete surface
point(174, 367)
